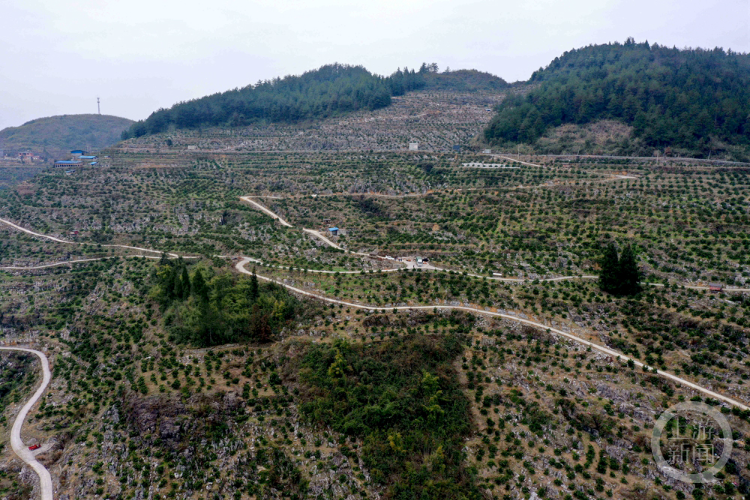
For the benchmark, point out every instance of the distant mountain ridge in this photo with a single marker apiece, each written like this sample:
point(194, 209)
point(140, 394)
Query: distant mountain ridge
point(57, 135)
point(328, 91)
point(693, 101)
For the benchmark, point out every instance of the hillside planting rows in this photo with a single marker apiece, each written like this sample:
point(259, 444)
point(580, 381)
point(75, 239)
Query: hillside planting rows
point(141, 368)
point(266, 294)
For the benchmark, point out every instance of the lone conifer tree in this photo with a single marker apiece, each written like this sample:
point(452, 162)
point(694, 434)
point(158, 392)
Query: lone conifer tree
point(175, 283)
point(610, 264)
point(185, 283)
point(629, 274)
point(200, 288)
point(254, 293)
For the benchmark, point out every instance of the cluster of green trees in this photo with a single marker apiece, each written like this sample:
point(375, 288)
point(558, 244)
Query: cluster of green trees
point(463, 80)
point(429, 77)
point(206, 308)
point(688, 99)
point(406, 80)
point(323, 92)
point(327, 91)
point(619, 274)
point(402, 399)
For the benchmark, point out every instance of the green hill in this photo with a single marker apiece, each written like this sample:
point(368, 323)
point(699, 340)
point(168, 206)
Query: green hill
point(57, 135)
point(465, 80)
point(327, 91)
point(691, 101)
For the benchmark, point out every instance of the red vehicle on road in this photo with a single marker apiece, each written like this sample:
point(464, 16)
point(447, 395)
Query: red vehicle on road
point(34, 447)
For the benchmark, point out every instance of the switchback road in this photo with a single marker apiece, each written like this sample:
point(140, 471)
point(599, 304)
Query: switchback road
point(16, 443)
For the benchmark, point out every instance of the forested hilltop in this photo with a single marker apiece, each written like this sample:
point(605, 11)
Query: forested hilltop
point(692, 101)
point(463, 80)
point(327, 91)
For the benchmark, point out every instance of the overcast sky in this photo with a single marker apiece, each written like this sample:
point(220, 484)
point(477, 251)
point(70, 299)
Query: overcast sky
point(57, 56)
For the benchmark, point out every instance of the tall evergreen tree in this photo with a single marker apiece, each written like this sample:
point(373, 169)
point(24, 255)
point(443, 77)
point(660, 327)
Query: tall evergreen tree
point(178, 284)
point(610, 265)
point(200, 289)
point(177, 288)
point(629, 275)
point(254, 291)
point(185, 279)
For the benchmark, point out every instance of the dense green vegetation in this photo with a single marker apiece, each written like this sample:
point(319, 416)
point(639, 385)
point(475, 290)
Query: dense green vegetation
point(326, 91)
point(694, 100)
point(619, 273)
point(211, 308)
point(402, 399)
point(463, 80)
point(429, 77)
point(55, 135)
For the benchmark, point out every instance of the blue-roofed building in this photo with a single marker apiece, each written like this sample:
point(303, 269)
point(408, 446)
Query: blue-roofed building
point(334, 231)
point(87, 157)
point(67, 163)
point(78, 152)
point(94, 163)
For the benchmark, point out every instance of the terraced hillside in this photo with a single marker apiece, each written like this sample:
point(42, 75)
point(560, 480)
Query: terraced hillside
point(280, 360)
point(437, 120)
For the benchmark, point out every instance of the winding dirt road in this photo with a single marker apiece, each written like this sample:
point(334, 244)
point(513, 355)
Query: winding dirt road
point(265, 210)
point(55, 264)
point(79, 261)
point(311, 232)
point(240, 267)
point(325, 240)
point(28, 231)
point(519, 161)
point(433, 268)
point(58, 240)
point(16, 442)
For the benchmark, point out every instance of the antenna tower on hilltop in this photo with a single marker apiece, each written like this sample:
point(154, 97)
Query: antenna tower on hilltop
point(97, 106)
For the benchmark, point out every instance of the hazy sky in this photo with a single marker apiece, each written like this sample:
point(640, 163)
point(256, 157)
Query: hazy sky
point(57, 56)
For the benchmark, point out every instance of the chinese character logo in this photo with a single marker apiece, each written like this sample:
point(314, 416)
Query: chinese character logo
point(687, 434)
